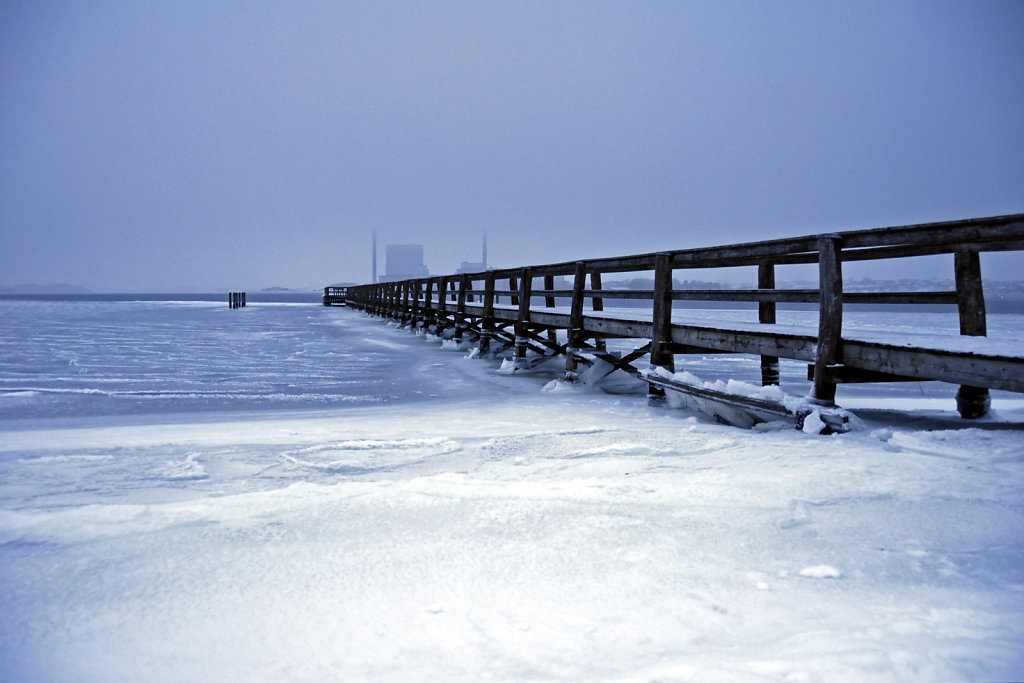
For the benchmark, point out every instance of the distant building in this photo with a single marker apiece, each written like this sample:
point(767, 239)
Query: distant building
point(471, 267)
point(404, 262)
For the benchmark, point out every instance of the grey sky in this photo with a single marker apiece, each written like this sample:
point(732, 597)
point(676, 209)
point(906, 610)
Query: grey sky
point(205, 145)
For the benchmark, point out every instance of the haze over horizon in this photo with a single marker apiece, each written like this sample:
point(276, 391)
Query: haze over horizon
point(196, 145)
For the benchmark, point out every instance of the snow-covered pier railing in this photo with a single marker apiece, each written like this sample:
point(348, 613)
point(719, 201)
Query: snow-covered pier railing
point(525, 319)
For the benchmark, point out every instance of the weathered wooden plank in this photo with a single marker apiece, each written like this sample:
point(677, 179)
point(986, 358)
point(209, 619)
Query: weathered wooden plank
point(661, 328)
point(780, 296)
point(830, 317)
point(996, 228)
point(429, 316)
point(487, 315)
point(970, 296)
point(576, 337)
point(995, 372)
point(844, 374)
point(523, 316)
point(766, 315)
point(971, 401)
point(550, 319)
point(460, 309)
point(795, 346)
point(613, 327)
point(930, 249)
point(442, 295)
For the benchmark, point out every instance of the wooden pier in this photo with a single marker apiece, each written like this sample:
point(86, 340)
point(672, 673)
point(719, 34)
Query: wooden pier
point(503, 311)
point(335, 296)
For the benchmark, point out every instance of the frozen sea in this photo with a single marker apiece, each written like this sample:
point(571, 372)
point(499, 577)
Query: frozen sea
point(293, 492)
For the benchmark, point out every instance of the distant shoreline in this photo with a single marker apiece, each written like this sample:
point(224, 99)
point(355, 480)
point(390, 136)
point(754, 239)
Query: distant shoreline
point(251, 297)
point(993, 305)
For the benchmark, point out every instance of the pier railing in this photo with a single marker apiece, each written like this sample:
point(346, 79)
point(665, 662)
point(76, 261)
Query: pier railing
point(335, 296)
point(504, 309)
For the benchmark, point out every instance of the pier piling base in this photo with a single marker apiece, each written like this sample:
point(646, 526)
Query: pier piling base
point(973, 402)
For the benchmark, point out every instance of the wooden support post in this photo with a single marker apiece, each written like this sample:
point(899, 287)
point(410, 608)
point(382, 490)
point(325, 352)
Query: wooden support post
point(971, 402)
point(442, 305)
point(416, 315)
point(487, 322)
point(549, 284)
point(661, 335)
point(766, 315)
point(549, 301)
point(513, 287)
point(406, 311)
point(830, 318)
point(523, 319)
point(597, 303)
point(460, 308)
point(430, 316)
point(575, 322)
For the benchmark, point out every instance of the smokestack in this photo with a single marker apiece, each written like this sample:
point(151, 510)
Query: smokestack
point(374, 280)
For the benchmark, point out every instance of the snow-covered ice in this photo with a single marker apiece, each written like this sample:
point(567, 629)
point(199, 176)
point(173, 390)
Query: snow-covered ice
point(301, 493)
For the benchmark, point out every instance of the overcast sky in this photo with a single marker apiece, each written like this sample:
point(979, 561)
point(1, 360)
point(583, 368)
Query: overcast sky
point(155, 146)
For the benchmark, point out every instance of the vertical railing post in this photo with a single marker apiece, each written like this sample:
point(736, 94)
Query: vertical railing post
point(487, 321)
point(576, 339)
point(460, 308)
point(428, 304)
point(442, 305)
point(766, 315)
point(971, 402)
point(523, 319)
point(513, 287)
point(830, 318)
point(549, 284)
point(549, 302)
point(597, 303)
point(416, 316)
point(661, 334)
point(406, 302)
